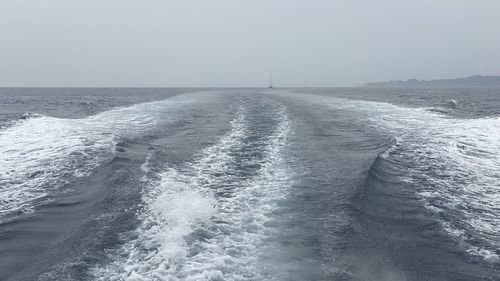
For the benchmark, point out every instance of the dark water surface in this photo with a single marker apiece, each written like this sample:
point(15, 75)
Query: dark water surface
point(250, 184)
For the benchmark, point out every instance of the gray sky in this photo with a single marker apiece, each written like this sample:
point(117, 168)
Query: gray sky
point(238, 43)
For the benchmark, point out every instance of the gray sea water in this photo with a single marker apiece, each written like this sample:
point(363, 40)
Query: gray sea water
point(250, 184)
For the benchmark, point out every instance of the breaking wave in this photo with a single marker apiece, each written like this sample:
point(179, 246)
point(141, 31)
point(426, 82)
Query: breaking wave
point(40, 154)
point(454, 165)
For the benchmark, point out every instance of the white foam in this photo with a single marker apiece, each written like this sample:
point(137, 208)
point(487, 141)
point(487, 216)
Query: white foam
point(188, 233)
point(458, 158)
point(41, 154)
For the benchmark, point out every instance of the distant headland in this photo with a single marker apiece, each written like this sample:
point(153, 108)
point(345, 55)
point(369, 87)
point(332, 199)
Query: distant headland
point(471, 81)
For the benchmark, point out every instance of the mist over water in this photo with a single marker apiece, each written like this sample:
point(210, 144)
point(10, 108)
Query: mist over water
point(250, 184)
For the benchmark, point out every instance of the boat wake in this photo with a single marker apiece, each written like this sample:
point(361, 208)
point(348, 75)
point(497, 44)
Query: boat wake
point(453, 165)
point(206, 219)
point(40, 154)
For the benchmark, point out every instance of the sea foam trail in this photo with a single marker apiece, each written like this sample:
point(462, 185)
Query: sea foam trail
point(455, 163)
point(203, 221)
point(41, 154)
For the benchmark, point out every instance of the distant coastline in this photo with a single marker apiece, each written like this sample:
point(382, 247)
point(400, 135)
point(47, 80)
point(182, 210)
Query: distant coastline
point(471, 81)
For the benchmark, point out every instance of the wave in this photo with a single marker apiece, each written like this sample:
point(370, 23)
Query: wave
point(205, 220)
point(452, 164)
point(40, 154)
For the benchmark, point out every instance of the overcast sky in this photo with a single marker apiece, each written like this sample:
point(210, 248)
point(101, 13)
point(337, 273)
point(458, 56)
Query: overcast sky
point(200, 43)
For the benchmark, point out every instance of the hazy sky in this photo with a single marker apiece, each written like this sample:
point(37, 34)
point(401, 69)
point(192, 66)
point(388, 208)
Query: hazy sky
point(238, 43)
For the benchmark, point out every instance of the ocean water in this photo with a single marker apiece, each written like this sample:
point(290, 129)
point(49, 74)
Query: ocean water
point(250, 184)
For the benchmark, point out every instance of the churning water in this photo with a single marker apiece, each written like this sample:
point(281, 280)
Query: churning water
point(249, 184)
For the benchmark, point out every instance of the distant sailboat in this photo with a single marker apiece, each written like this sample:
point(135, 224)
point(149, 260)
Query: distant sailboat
point(271, 82)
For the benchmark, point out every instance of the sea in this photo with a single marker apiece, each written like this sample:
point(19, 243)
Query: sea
point(250, 184)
